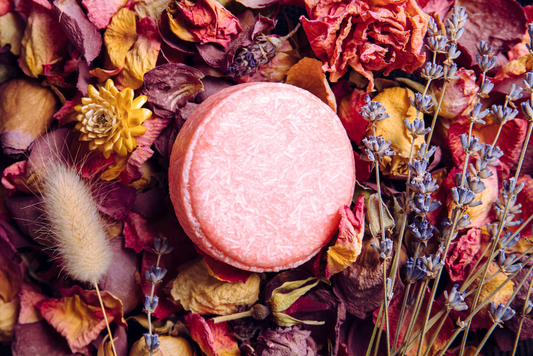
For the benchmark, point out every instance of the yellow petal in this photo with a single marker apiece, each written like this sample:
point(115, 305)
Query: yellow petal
point(11, 31)
point(139, 102)
point(180, 30)
point(137, 131)
point(119, 36)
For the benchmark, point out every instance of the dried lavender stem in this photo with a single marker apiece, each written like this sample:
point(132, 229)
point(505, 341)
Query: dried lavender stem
point(400, 319)
point(386, 307)
point(522, 319)
point(414, 317)
point(524, 148)
point(437, 277)
point(467, 156)
point(506, 306)
point(151, 299)
point(436, 114)
point(105, 318)
point(379, 334)
point(431, 322)
point(372, 338)
point(443, 320)
point(487, 335)
point(497, 134)
point(396, 259)
point(450, 341)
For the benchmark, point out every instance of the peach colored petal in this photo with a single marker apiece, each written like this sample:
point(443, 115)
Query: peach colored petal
point(101, 12)
point(307, 74)
point(214, 339)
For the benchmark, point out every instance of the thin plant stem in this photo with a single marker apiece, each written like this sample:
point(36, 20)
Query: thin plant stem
point(436, 113)
point(451, 340)
point(379, 333)
point(436, 333)
point(487, 335)
point(416, 335)
point(402, 314)
point(386, 300)
point(498, 134)
point(522, 317)
point(524, 148)
point(467, 155)
point(105, 318)
point(414, 316)
point(378, 321)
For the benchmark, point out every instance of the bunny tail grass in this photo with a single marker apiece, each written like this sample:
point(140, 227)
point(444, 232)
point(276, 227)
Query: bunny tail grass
point(106, 321)
point(75, 224)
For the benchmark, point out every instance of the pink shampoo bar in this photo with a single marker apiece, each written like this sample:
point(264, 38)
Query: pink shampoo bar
point(258, 173)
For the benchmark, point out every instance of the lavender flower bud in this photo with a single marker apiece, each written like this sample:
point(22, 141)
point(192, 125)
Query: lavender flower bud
point(421, 229)
point(162, 246)
point(463, 196)
point(417, 128)
point(514, 93)
point(373, 111)
point(508, 240)
point(485, 63)
point(501, 313)
point(433, 264)
point(384, 249)
point(502, 115)
point(377, 148)
point(484, 49)
point(431, 71)
point(455, 300)
point(452, 53)
point(427, 185)
point(422, 103)
point(477, 115)
point(422, 204)
point(155, 275)
point(437, 44)
point(464, 221)
point(470, 147)
point(527, 110)
point(418, 167)
point(528, 82)
point(425, 154)
point(412, 271)
point(529, 307)
point(449, 72)
point(150, 304)
point(485, 89)
point(510, 188)
point(152, 342)
point(506, 263)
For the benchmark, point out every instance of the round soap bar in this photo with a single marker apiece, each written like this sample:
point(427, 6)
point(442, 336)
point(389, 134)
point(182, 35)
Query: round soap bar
point(258, 173)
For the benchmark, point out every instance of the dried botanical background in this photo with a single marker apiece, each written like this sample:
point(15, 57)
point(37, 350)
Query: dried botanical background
point(435, 96)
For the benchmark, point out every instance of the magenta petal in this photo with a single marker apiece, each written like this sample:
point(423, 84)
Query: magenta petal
point(80, 31)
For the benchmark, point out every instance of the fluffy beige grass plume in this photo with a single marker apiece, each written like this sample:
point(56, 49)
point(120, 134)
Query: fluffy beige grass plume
point(75, 224)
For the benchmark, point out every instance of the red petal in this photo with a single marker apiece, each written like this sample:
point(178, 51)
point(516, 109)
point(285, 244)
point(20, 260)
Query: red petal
point(225, 272)
point(214, 339)
point(463, 255)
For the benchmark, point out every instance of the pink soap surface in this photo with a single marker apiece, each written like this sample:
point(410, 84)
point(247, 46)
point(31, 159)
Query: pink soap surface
point(258, 173)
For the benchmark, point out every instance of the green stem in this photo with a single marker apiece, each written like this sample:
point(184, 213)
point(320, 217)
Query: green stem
point(386, 300)
point(402, 314)
point(378, 321)
point(414, 316)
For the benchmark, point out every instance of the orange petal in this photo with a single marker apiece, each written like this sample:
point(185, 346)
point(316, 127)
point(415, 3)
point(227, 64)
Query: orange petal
point(143, 56)
point(214, 339)
point(119, 36)
point(78, 316)
point(308, 74)
point(350, 239)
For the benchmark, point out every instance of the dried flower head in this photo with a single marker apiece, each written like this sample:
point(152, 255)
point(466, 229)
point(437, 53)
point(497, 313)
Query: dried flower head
point(501, 313)
point(455, 300)
point(110, 119)
point(412, 271)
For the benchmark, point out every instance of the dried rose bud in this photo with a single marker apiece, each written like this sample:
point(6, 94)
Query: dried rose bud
point(26, 109)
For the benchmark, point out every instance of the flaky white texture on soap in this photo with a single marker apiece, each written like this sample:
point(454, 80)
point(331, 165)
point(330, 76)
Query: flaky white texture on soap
point(75, 224)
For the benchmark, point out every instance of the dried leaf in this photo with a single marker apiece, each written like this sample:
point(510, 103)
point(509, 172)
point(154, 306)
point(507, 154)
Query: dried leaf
point(289, 292)
point(170, 86)
point(100, 13)
point(78, 316)
point(214, 339)
point(308, 74)
point(142, 57)
point(42, 42)
point(286, 341)
point(79, 30)
point(199, 292)
point(374, 220)
point(120, 36)
point(348, 244)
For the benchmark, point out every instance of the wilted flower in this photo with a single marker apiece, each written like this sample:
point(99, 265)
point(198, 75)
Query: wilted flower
point(155, 274)
point(431, 71)
point(455, 25)
point(150, 304)
point(110, 119)
point(502, 115)
point(421, 229)
point(477, 115)
point(422, 103)
point(162, 245)
point(433, 264)
point(464, 197)
point(152, 342)
point(427, 185)
point(384, 249)
point(486, 88)
point(357, 33)
point(485, 63)
point(506, 263)
point(423, 204)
